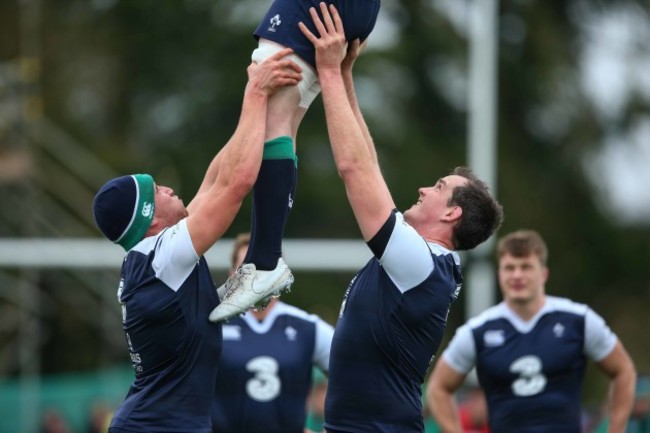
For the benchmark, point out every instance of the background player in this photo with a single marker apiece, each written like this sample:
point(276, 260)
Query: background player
point(265, 370)
point(530, 353)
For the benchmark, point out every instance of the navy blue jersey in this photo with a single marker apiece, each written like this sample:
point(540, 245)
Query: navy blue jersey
point(280, 24)
point(265, 371)
point(532, 371)
point(167, 293)
point(390, 326)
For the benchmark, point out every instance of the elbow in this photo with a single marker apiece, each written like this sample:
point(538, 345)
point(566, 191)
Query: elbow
point(347, 170)
point(247, 181)
point(245, 176)
point(433, 392)
point(356, 170)
point(632, 376)
point(245, 185)
point(242, 184)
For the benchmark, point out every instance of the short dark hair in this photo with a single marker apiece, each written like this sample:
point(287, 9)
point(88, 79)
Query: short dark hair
point(523, 243)
point(482, 213)
point(242, 240)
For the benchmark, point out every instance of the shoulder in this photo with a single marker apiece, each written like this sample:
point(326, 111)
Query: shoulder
point(441, 253)
point(467, 331)
point(406, 256)
point(565, 305)
point(170, 254)
point(147, 245)
point(496, 312)
point(299, 316)
point(405, 243)
point(170, 238)
point(140, 256)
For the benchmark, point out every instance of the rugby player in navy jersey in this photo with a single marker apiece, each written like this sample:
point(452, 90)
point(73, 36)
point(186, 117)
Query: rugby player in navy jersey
point(530, 353)
point(165, 289)
point(273, 194)
point(395, 309)
point(265, 370)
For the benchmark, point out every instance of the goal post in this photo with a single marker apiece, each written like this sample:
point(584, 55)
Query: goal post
point(87, 253)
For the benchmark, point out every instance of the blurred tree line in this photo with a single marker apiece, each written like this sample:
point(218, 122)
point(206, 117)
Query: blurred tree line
point(156, 86)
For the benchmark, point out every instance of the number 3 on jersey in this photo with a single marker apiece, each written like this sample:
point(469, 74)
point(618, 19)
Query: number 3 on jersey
point(265, 385)
point(531, 379)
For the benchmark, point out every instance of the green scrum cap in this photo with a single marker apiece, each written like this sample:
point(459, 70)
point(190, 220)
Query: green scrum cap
point(124, 208)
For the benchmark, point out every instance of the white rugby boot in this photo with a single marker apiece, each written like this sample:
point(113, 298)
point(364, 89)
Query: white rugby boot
point(250, 288)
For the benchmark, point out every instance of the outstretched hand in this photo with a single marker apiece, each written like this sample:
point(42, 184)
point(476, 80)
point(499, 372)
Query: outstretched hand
point(274, 73)
point(331, 45)
point(354, 49)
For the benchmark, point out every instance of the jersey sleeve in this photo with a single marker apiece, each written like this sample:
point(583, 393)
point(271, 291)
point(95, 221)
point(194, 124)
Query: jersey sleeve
point(461, 351)
point(599, 339)
point(324, 334)
point(175, 256)
point(406, 256)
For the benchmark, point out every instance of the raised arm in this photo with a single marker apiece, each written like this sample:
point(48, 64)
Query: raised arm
point(232, 173)
point(356, 163)
point(353, 51)
point(208, 180)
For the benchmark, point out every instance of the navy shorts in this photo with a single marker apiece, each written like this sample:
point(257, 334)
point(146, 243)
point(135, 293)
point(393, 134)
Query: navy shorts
point(280, 24)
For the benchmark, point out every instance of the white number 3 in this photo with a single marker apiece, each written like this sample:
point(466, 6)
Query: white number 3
point(531, 380)
point(265, 385)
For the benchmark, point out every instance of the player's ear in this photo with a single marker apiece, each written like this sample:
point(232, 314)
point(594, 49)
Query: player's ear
point(545, 273)
point(452, 214)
